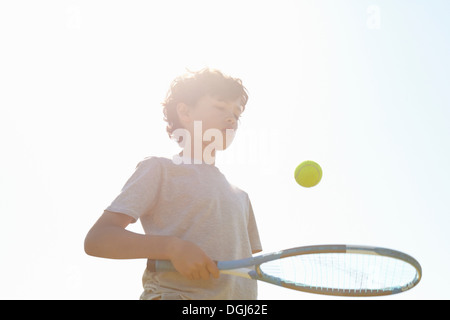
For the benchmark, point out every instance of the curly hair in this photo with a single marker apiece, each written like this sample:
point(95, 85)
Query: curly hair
point(190, 87)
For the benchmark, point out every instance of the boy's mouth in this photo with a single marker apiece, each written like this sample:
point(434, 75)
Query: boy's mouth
point(228, 132)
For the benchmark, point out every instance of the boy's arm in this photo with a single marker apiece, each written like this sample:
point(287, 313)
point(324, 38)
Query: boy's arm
point(108, 238)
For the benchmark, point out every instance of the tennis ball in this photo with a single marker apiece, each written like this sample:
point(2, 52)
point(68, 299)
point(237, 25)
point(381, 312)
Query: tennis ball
point(308, 174)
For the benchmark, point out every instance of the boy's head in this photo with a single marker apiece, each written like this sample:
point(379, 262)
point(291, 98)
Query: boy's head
point(197, 89)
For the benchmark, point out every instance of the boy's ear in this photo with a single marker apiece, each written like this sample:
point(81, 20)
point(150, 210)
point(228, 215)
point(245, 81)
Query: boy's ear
point(183, 112)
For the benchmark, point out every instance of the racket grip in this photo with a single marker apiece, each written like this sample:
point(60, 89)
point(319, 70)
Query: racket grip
point(164, 265)
point(160, 266)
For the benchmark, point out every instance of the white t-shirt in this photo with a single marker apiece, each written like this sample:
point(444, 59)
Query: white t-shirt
point(194, 202)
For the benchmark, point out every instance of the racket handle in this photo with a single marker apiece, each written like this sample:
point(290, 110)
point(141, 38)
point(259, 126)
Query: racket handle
point(160, 266)
point(165, 265)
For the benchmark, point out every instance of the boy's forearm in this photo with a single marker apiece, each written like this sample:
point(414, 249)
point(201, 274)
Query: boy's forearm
point(117, 243)
point(109, 238)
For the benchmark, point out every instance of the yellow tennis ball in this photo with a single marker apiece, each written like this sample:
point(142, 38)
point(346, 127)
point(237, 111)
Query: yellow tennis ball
point(308, 174)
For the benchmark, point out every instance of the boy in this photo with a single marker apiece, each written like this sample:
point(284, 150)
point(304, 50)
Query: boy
point(190, 213)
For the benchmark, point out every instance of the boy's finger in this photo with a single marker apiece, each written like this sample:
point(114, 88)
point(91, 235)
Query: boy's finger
point(204, 274)
point(213, 270)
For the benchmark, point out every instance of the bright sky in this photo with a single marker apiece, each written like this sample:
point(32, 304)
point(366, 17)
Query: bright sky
point(358, 86)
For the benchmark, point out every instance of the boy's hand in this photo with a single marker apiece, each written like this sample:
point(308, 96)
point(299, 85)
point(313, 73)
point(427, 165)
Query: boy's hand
point(192, 262)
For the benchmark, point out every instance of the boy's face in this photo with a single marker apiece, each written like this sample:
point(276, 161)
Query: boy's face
point(215, 114)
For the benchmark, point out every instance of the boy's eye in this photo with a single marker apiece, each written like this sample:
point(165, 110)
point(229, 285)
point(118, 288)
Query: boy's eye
point(221, 108)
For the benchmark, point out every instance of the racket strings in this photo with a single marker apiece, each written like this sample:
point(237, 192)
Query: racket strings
point(351, 272)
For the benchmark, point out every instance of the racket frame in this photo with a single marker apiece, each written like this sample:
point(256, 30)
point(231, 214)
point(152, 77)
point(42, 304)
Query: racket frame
point(250, 268)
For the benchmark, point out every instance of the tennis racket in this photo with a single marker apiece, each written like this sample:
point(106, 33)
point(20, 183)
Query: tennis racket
point(340, 270)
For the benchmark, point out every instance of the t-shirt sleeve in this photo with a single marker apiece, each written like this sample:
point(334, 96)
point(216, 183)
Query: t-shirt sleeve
point(255, 241)
point(140, 192)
